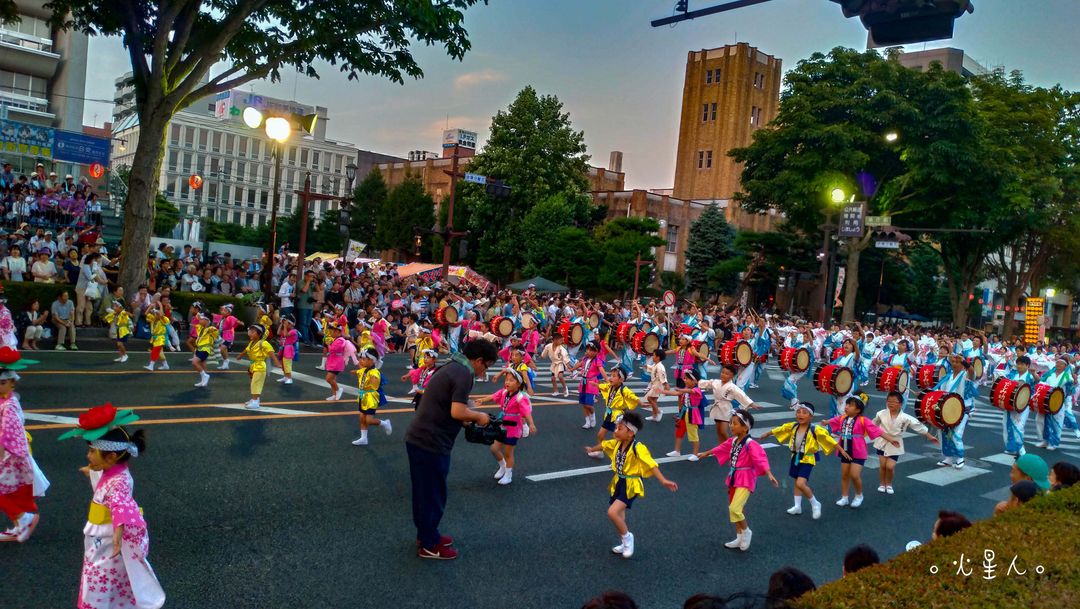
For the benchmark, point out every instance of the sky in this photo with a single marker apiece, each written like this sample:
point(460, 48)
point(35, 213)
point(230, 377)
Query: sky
point(619, 79)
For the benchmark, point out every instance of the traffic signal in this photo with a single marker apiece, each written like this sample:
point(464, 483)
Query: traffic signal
point(497, 189)
point(652, 273)
point(781, 284)
point(906, 21)
point(344, 221)
point(681, 6)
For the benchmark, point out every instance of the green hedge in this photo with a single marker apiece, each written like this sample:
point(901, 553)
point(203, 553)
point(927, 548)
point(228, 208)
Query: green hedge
point(1045, 531)
point(243, 307)
point(21, 293)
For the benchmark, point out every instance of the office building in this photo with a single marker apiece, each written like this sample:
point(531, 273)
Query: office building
point(42, 77)
point(728, 93)
point(951, 59)
point(210, 139)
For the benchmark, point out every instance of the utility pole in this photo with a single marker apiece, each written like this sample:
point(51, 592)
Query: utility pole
point(638, 263)
point(448, 230)
point(303, 217)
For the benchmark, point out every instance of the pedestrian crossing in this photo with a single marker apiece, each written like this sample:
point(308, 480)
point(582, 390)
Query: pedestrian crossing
point(985, 418)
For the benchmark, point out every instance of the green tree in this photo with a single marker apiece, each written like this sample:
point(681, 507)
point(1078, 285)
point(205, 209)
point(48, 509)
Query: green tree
point(166, 216)
point(926, 279)
point(173, 45)
point(327, 236)
point(618, 243)
point(830, 133)
point(539, 223)
point(368, 200)
point(711, 241)
point(535, 150)
point(577, 270)
point(670, 280)
point(408, 208)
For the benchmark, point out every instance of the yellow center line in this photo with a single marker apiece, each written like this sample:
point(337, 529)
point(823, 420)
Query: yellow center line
point(251, 417)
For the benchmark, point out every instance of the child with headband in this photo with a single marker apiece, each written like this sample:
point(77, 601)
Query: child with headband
point(805, 440)
point(516, 408)
point(852, 428)
point(371, 395)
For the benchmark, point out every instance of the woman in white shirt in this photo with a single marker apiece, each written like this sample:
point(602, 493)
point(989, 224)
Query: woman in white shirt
point(14, 265)
point(44, 270)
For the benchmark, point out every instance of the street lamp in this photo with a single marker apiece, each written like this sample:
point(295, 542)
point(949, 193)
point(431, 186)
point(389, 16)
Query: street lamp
point(892, 136)
point(277, 129)
point(837, 196)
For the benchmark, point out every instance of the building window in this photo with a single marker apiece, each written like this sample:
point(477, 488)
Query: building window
point(189, 137)
point(229, 143)
point(172, 161)
point(755, 116)
point(712, 111)
point(700, 159)
point(716, 76)
point(708, 159)
point(243, 147)
point(304, 157)
point(672, 237)
point(202, 139)
point(704, 112)
point(174, 135)
point(215, 140)
point(708, 77)
point(314, 159)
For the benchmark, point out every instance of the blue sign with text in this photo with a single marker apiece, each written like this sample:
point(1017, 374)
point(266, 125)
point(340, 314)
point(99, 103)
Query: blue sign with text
point(80, 148)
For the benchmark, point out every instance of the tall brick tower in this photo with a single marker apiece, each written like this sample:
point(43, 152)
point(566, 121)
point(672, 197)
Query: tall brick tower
point(728, 93)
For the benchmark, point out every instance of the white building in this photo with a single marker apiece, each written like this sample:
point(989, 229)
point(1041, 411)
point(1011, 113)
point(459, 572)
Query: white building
point(211, 140)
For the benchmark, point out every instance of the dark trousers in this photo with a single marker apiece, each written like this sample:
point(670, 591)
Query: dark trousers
point(428, 471)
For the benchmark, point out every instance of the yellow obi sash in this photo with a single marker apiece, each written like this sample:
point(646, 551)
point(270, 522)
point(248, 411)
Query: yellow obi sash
point(100, 514)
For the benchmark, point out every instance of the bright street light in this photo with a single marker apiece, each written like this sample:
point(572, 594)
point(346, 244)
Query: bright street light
point(278, 129)
point(252, 117)
point(1050, 292)
point(892, 136)
point(838, 195)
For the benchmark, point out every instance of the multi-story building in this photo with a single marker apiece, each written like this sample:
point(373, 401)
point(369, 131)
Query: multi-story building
point(42, 76)
point(210, 139)
point(728, 93)
point(951, 59)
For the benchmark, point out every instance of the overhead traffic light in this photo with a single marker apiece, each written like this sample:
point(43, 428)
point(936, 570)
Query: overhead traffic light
point(906, 21)
point(344, 220)
point(652, 274)
point(681, 6)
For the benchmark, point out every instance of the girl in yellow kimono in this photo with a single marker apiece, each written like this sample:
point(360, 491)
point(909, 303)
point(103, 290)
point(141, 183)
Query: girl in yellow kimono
point(119, 318)
point(618, 400)
point(371, 395)
point(631, 461)
point(159, 329)
point(258, 351)
point(805, 440)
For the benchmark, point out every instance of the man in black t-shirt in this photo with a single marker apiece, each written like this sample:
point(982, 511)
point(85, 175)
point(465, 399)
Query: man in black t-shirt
point(430, 438)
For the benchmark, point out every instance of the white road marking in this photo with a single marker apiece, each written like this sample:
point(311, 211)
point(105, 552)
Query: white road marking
point(263, 409)
point(50, 418)
point(944, 476)
point(1000, 459)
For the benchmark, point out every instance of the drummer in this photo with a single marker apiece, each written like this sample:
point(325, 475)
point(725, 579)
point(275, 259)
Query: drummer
point(903, 360)
point(707, 336)
point(803, 339)
point(961, 381)
point(1049, 426)
point(848, 359)
point(1013, 423)
point(762, 344)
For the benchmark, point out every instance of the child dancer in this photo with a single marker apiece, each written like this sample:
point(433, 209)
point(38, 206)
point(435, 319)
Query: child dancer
point(227, 325)
point(115, 570)
point(420, 377)
point(334, 362)
point(119, 321)
point(631, 461)
point(853, 429)
point(790, 389)
point(1015, 422)
point(17, 468)
point(257, 350)
point(691, 414)
point(618, 400)
point(204, 344)
point(289, 339)
point(658, 383)
point(516, 407)
point(591, 367)
point(556, 352)
point(158, 329)
point(371, 396)
point(748, 461)
point(804, 439)
point(894, 421)
point(1050, 426)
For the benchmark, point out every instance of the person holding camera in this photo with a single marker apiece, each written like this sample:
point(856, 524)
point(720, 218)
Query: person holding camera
point(305, 306)
point(430, 438)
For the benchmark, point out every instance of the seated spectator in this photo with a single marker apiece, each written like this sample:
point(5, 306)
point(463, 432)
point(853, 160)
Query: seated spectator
point(63, 317)
point(860, 557)
point(1063, 475)
point(1030, 467)
point(949, 523)
point(34, 320)
point(1019, 493)
point(788, 584)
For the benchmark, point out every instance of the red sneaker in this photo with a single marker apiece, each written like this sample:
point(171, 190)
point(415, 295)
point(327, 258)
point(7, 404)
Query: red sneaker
point(437, 553)
point(444, 540)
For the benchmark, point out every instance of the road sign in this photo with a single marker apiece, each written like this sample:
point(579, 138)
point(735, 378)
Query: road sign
point(851, 220)
point(878, 220)
point(475, 178)
point(887, 245)
point(669, 298)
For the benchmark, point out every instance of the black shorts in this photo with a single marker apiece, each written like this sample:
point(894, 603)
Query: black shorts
point(881, 453)
point(620, 494)
point(608, 424)
point(334, 372)
point(510, 441)
point(844, 459)
point(202, 355)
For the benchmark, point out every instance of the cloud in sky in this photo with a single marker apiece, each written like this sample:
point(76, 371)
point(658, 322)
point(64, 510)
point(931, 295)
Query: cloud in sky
point(469, 80)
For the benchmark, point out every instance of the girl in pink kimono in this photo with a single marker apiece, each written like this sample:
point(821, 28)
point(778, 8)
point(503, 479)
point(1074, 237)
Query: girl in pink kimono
point(378, 333)
point(591, 366)
point(851, 430)
point(227, 324)
point(116, 573)
point(336, 352)
point(20, 479)
point(289, 341)
point(748, 461)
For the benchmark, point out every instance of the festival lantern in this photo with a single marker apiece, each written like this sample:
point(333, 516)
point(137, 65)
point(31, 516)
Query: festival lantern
point(97, 170)
point(195, 181)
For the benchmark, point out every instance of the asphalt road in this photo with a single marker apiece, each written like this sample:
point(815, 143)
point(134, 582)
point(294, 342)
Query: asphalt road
point(278, 509)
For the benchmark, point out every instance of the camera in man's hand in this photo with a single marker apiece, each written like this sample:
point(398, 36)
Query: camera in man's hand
point(488, 434)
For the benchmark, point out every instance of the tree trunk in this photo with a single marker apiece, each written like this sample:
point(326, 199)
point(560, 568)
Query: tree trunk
point(855, 246)
point(139, 204)
point(1011, 302)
